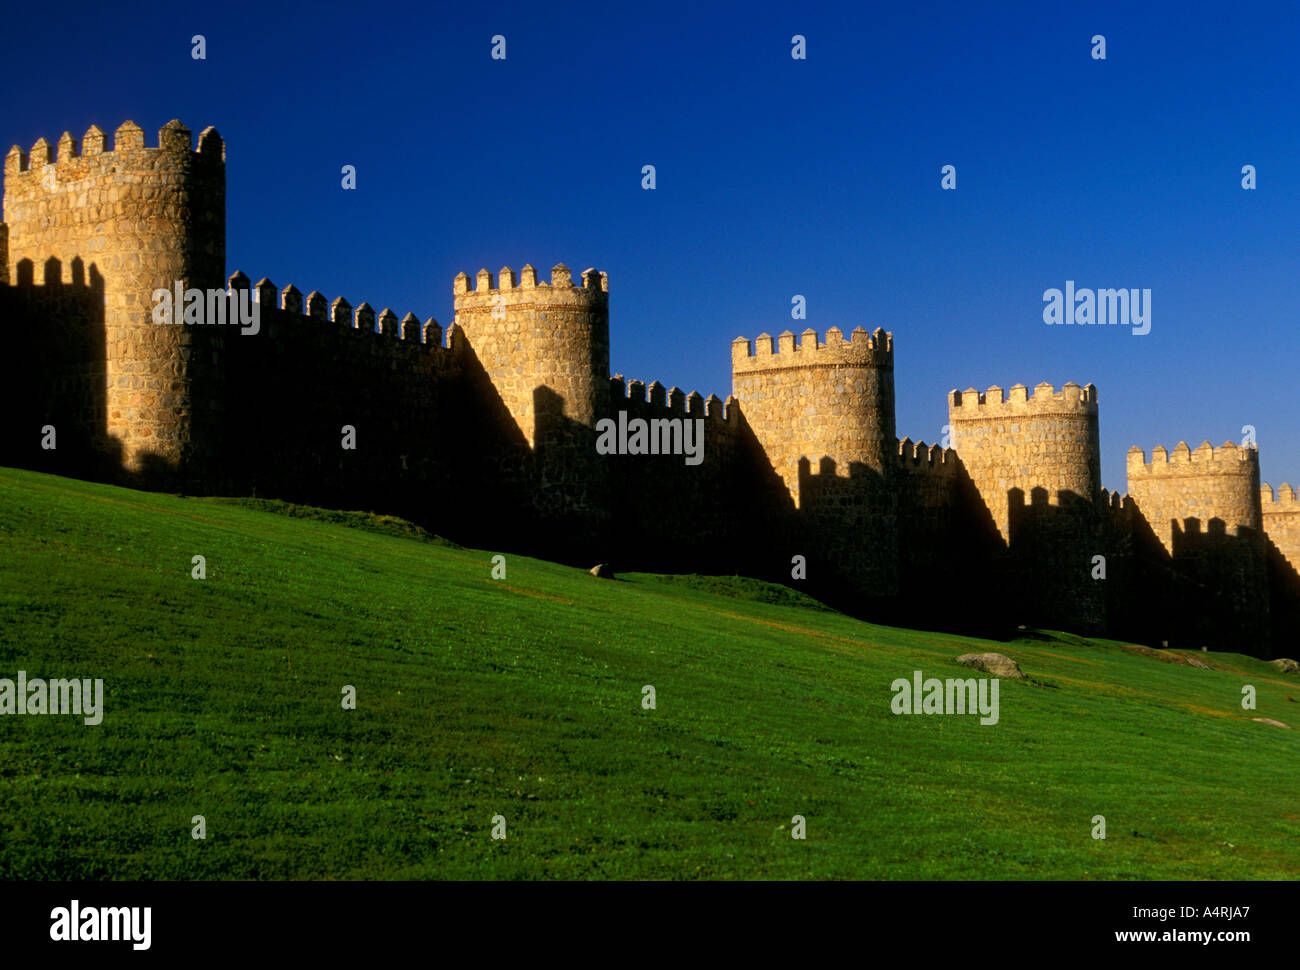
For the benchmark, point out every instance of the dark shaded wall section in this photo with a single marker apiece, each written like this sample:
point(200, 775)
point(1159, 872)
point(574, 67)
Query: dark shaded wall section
point(56, 330)
point(335, 406)
point(729, 513)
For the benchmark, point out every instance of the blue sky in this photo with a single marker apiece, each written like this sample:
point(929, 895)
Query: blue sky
point(819, 177)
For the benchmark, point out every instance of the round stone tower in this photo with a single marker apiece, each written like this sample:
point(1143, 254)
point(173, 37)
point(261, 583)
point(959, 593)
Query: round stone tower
point(1183, 492)
point(545, 349)
point(819, 403)
point(1047, 443)
point(1035, 464)
point(823, 414)
point(1204, 507)
point(135, 220)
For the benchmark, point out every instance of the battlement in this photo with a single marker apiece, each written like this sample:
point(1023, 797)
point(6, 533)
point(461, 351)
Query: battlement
point(671, 403)
point(768, 353)
point(340, 312)
point(71, 157)
point(504, 289)
point(1114, 501)
point(1227, 459)
point(1286, 500)
point(918, 456)
point(1017, 400)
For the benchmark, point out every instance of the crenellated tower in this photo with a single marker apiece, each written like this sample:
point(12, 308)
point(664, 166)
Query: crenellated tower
point(1185, 492)
point(815, 401)
point(544, 348)
point(823, 413)
point(1015, 442)
point(1204, 507)
point(1281, 524)
point(1035, 463)
point(132, 219)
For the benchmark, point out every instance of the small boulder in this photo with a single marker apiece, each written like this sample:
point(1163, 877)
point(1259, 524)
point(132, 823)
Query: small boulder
point(1286, 665)
point(1269, 720)
point(993, 663)
point(602, 571)
point(1165, 656)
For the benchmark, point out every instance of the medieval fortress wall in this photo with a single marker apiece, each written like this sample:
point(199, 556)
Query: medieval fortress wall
point(143, 217)
point(496, 430)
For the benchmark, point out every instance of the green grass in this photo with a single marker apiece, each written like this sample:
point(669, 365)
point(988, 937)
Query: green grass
point(522, 697)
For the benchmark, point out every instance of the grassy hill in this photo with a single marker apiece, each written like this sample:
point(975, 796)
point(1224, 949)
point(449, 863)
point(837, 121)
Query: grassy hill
point(522, 697)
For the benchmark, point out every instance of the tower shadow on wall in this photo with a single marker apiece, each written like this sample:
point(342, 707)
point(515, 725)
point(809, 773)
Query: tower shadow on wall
point(921, 560)
point(1047, 576)
point(1141, 584)
point(766, 511)
point(306, 424)
point(569, 498)
point(1284, 602)
point(433, 442)
point(57, 330)
point(728, 515)
point(950, 551)
point(1222, 598)
point(485, 463)
point(848, 524)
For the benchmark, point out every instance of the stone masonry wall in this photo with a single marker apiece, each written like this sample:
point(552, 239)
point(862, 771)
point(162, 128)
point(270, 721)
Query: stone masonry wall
point(943, 529)
point(314, 367)
point(142, 218)
point(1021, 442)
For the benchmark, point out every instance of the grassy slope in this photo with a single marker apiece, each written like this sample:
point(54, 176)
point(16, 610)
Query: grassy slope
point(522, 697)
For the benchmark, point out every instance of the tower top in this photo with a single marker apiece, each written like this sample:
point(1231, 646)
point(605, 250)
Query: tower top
point(1016, 400)
point(593, 281)
point(861, 349)
point(70, 155)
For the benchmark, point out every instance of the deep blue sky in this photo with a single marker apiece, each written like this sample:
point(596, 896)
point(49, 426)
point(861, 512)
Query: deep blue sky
point(775, 176)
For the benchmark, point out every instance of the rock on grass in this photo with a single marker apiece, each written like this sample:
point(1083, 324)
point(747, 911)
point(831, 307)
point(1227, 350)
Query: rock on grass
point(993, 663)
